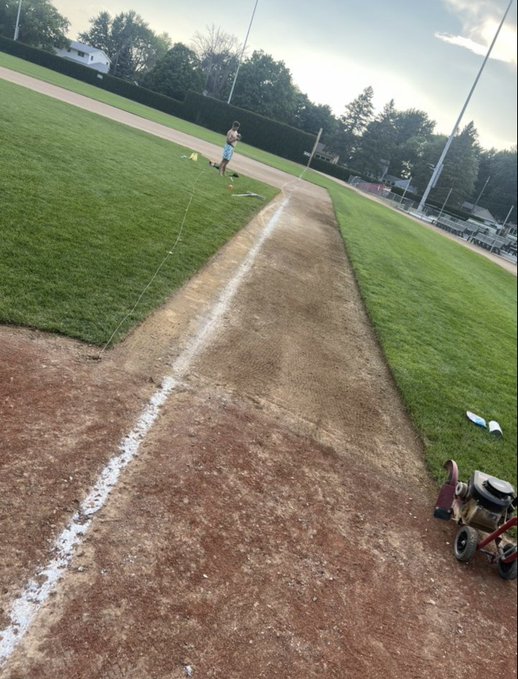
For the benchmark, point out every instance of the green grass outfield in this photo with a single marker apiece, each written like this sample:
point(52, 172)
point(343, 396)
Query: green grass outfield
point(445, 316)
point(446, 319)
point(60, 80)
point(90, 208)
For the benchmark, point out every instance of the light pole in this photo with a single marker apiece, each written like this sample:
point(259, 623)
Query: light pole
point(242, 53)
point(439, 165)
point(480, 194)
point(502, 229)
point(17, 27)
point(406, 189)
point(444, 204)
point(508, 215)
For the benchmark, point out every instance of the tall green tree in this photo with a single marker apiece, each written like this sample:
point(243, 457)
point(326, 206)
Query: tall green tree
point(176, 73)
point(265, 86)
point(460, 169)
point(312, 117)
point(377, 144)
point(131, 45)
point(218, 53)
point(500, 193)
point(353, 123)
point(414, 129)
point(41, 25)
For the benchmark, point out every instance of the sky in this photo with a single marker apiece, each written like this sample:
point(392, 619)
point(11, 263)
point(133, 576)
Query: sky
point(424, 54)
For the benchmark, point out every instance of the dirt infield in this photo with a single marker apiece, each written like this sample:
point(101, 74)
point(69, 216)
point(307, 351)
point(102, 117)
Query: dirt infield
point(277, 519)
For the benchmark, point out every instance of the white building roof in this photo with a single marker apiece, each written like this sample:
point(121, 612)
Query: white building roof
point(87, 49)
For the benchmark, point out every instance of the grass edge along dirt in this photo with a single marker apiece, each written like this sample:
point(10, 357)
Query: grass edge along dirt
point(441, 369)
point(445, 318)
point(117, 101)
point(90, 208)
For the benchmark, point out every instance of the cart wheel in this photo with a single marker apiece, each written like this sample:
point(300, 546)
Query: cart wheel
point(466, 542)
point(508, 571)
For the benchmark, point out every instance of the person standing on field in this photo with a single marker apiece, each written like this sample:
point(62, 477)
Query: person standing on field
point(233, 137)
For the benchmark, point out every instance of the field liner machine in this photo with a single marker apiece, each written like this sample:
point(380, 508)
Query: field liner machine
point(483, 508)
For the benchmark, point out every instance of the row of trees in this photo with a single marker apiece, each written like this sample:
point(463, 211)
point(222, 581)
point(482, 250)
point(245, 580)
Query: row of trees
point(399, 143)
point(41, 24)
point(402, 143)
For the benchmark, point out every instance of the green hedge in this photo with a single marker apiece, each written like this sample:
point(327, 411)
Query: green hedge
point(338, 171)
point(263, 133)
point(258, 131)
point(93, 77)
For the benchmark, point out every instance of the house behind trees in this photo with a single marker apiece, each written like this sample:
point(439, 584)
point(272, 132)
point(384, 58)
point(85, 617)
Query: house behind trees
point(86, 55)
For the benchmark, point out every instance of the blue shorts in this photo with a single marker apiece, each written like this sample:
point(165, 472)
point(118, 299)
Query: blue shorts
point(228, 152)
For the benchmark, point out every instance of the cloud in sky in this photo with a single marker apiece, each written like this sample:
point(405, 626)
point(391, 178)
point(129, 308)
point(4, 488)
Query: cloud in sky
point(480, 20)
point(336, 48)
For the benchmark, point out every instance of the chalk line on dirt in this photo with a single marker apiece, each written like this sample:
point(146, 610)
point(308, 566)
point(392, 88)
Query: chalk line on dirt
point(38, 589)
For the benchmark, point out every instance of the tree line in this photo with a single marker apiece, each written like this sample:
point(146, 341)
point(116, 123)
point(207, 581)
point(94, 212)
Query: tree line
point(400, 143)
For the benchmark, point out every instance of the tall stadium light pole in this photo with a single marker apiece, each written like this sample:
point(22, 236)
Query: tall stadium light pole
point(17, 27)
point(439, 165)
point(242, 53)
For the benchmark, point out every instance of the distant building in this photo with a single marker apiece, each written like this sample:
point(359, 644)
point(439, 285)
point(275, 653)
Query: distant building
point(480, 213)
point(399, 183)
point(86, 55)
point(322, 154)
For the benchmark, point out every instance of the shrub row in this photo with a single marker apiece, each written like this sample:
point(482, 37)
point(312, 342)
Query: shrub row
point(268, 135)
point(92, 77)
point(339, 171)
point(263, 133)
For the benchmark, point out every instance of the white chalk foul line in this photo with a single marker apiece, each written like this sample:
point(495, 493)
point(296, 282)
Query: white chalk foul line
point(38, 590)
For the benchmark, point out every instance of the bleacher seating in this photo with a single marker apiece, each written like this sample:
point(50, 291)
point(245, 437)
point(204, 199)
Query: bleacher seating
point(477, 235)
point(489, 242)
point(455, 227)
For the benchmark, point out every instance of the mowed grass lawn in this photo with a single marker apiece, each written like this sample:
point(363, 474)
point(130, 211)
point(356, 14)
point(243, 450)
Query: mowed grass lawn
point(446, 319)
point(90, 208)
point(97, 93)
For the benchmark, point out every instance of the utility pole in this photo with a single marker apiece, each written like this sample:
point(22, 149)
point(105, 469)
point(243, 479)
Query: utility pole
point(17, 27)
point(502, 229)
point(242, 53)
point(480, 194)
point(508, 215)
point(438, 167)
point(409, 181)
point(444, 204)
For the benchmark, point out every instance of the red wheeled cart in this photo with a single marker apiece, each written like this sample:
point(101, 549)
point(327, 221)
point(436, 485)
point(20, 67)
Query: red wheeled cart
point(483, 508)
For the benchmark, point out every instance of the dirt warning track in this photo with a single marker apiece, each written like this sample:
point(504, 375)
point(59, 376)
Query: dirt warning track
point(276, 517)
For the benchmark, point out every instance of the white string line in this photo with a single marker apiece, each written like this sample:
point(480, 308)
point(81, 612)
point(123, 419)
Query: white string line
point(38, 590)
point(168, 254)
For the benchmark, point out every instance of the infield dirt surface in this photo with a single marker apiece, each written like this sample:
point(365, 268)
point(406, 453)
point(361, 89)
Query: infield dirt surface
point(277, 521)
